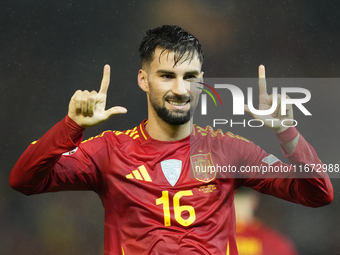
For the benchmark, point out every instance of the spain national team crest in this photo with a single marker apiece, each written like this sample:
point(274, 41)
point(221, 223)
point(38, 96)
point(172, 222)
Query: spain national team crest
point(172, 170)
point(70, 152)
point(200, 165)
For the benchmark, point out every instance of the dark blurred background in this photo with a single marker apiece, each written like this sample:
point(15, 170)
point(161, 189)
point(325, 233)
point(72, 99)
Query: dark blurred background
point(49, 49)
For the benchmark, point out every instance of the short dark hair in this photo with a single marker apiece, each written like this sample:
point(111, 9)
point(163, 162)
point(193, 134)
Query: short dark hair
point(173, 39)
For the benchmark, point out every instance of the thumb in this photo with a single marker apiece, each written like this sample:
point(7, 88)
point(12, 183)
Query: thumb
point(246, 109)
point(115, 110)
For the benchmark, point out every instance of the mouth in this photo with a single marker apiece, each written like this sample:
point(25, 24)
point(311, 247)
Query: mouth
point(177, 104)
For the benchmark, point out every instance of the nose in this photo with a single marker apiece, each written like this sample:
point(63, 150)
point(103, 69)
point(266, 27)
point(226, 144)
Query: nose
point(179, 87)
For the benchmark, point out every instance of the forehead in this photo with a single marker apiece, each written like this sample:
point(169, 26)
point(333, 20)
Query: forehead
point(165, 60)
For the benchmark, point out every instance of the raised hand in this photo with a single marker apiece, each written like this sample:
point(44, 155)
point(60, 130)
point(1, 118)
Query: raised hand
point(87, 109)
point(273, 121)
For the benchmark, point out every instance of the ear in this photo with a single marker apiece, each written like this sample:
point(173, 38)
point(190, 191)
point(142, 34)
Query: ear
point(143, 80)
point(201, 76)
point(199, 81)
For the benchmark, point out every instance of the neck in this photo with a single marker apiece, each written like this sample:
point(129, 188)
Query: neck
point(162, 131)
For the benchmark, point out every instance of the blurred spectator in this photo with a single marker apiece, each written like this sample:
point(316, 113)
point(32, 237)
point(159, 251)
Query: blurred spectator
point(254, 237)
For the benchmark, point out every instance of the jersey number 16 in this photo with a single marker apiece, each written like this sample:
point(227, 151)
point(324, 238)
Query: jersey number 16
point(177, 208)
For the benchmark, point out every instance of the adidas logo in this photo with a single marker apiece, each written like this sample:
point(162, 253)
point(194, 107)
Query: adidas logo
point(140, 174)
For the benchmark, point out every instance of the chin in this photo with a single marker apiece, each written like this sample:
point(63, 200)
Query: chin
point(176, 120)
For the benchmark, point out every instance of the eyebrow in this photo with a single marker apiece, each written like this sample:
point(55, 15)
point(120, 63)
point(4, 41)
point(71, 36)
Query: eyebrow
point(162, 71)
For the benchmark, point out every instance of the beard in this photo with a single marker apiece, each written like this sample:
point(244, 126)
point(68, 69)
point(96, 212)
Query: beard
point(173, 117)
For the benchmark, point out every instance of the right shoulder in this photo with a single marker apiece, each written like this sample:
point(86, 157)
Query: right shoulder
point(115, 136)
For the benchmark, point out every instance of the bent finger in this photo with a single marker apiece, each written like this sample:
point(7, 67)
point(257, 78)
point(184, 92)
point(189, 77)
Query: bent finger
point(84, 97)
point(91, 102)
point(76, 99)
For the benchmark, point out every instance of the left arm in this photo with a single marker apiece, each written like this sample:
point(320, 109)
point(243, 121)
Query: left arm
point(315, 188)
point(301, 184)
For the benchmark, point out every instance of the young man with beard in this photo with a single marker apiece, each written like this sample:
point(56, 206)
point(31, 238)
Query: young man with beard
point(143, 175)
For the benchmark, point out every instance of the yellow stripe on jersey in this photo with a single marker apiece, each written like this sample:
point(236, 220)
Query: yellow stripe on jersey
point(34, 142)
point(128, 131)
point(123, 251)
point(204, 132)
point(132, 133)
point(129, 176)
point(145, 173)
point(137, 175)
point(141, 129)
point(237, 137)
point(140, 174)
point(118, 132)
point(100, 135)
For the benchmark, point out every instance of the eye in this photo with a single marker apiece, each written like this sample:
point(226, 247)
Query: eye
point(167, 76)
point(190, 77)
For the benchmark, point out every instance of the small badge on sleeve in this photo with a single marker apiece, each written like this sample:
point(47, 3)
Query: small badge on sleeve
point(271, 159)
point(70, 152)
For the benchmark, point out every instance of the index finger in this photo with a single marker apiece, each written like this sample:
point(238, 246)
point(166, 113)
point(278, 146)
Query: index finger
point(262, 80)
point(105, 81)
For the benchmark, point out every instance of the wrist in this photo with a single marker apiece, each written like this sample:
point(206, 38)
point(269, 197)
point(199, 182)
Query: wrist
point(287, 135)
point(73, 128)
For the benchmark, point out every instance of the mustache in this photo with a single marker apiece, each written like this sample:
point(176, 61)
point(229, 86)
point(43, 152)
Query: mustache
point(178, 98)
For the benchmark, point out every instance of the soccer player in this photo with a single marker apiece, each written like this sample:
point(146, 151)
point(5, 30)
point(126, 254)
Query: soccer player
point(143, 175)
point(252, 236)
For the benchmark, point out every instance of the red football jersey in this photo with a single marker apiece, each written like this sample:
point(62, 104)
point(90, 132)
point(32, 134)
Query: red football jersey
point(254, 238)
point(154, 202)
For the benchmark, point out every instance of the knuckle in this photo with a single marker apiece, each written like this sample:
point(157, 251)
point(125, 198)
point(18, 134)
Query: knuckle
point(86, 92)
point(76, 94)
point(77, 101)
point(91, 99)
